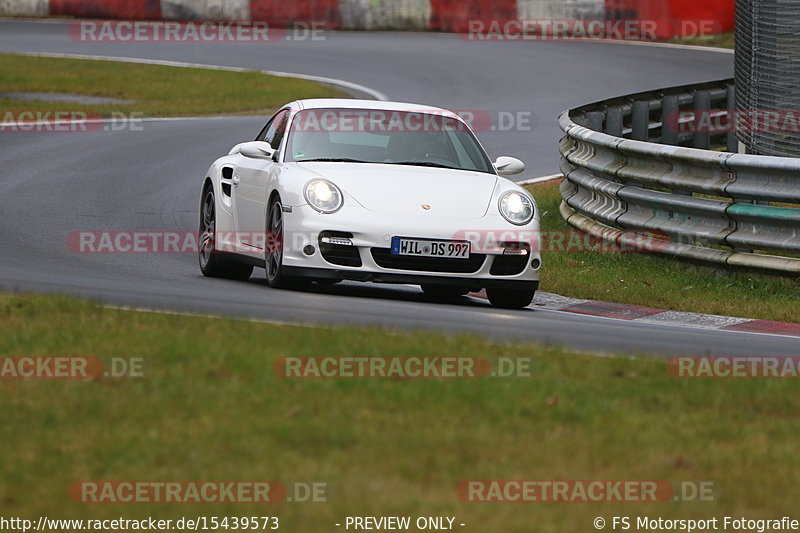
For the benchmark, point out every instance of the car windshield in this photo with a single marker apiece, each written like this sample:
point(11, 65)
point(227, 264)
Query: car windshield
point(386, 137)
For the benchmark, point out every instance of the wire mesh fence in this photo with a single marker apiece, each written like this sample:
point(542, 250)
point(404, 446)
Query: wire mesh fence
point(767, 72)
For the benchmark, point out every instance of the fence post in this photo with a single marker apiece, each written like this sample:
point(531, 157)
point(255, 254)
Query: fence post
point(614, 121)
point(640, 121)
point(731, 141)
point(702, 104)
point(594, 120)
point(670, 110)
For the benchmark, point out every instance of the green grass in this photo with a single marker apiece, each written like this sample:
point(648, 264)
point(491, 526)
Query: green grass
point(157, 90)
point(210, 408)
point(659, 281)
point(720, 40)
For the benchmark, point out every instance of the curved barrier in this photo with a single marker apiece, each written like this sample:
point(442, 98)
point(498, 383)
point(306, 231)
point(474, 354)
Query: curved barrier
point(665, 18)
point(649, 163)
point(421, 15)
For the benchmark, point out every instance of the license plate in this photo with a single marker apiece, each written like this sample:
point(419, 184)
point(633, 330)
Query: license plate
point(430, 248)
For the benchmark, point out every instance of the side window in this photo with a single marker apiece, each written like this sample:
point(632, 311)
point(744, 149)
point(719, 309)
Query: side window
point(263, 133)
point(277, 130)
point(277, 122)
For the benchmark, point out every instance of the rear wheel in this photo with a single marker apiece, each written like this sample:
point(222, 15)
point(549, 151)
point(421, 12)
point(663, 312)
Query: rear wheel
point(443, 292)
point(273, 259)
point(510, 298)
point(211, 264)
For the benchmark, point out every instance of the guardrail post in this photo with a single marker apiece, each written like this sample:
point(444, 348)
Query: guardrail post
point(702, 104)
point(731, 140)
point(670, 125)
point(594, 120)
point(614, 121)
point(733, 146)
point(670, 109)
point(640, 120)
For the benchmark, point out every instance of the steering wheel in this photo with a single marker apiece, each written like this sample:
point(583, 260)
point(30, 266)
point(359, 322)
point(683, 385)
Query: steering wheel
point(435, 157)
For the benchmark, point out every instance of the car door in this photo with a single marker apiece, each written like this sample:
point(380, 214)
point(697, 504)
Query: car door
point(250, 180)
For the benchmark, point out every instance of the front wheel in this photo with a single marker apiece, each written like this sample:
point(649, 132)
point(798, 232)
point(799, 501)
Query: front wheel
point(211, 264)
point(510, 298)
point(273, 260)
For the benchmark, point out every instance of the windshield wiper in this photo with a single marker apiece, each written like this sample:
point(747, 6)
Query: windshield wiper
point(331, 160)
point(349, 160)
point(423, 164)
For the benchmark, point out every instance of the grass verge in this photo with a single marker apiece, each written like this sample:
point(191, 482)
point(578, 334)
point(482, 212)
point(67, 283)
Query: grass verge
point(209, 407)
point(156, 90)
point(658, 281)
point(719, 40)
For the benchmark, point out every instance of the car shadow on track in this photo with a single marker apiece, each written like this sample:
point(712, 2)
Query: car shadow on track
point(403, 293)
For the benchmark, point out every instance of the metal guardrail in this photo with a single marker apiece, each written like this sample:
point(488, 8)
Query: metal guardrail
point(634, 173)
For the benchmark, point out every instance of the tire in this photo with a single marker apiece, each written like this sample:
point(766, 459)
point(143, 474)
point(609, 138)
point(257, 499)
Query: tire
point(273, 256)
point(510, 298)
point(211, 262)
point(443, 292)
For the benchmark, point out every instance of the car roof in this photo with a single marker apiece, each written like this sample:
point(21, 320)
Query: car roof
point(379, 105)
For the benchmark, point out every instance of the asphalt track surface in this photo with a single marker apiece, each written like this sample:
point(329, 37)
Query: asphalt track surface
point(54, 183)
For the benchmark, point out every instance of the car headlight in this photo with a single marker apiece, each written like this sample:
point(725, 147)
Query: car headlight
point(324, 196)
point(516, 207)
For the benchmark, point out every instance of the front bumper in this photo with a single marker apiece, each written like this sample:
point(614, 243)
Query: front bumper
point(372, 231)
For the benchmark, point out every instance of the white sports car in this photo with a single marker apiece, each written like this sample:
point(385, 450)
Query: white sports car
point(337, 189)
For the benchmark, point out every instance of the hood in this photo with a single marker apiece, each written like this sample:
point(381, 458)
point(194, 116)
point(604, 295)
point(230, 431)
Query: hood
point(403, 189)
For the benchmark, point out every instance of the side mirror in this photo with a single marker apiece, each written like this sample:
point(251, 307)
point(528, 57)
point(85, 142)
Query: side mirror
point(509, 166)
point(256, 150)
